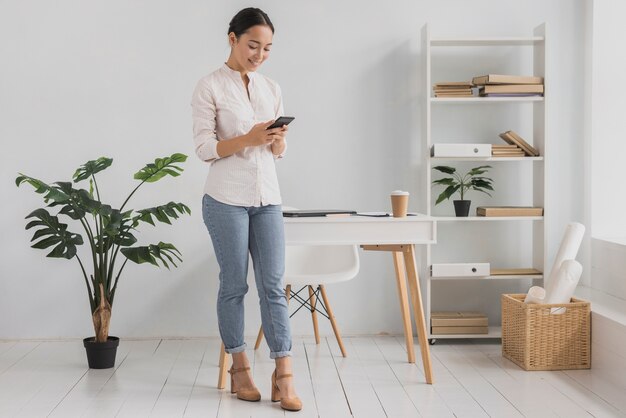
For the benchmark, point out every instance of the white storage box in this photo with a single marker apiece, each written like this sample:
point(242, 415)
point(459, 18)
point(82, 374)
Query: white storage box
point(460, 270)
point(461, 150)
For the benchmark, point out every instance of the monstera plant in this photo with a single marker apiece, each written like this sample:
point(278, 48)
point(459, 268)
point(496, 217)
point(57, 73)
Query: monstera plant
point(108, 231)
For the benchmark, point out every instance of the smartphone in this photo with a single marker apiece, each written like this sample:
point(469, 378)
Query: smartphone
point(283, 120)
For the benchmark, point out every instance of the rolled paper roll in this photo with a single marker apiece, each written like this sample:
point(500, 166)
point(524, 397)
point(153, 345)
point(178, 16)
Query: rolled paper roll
point(561, 289)
point(572, 239)
point(536, 294)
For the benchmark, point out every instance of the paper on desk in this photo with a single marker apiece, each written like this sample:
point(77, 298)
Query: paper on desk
point(375, 214)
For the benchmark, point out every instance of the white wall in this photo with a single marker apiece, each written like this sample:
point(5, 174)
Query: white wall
point(79, 80)
point(608, 146)
point(607, 149)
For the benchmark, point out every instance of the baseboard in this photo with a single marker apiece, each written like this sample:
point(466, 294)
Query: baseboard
point(608, 321)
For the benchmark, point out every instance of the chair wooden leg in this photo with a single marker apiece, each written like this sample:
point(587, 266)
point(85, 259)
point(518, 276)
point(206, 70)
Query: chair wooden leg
point(259, 337)
point(332, 321)
point(224, 360)
point(314, 315)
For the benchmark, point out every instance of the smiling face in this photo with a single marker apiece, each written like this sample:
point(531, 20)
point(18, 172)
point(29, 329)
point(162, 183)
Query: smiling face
point(251, 49)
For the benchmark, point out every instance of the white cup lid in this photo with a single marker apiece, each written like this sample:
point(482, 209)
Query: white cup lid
point(399, 193)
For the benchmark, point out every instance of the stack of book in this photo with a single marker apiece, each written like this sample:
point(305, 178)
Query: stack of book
point(506, 151)
point(512, 138)
point(496, 85)
point(453, 89)
point(509, 211)
point(458, 323)
point(515, 272)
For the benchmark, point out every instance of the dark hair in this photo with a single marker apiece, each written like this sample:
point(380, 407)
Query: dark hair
point(248, 17)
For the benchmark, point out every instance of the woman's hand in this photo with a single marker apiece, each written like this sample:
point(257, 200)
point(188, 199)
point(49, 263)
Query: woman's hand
point(260, 135)
point(279, 144)
point(279, 136)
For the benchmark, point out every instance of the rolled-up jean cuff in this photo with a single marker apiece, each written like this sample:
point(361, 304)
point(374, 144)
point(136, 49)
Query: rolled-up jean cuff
point(277, 354)
point(239, 349)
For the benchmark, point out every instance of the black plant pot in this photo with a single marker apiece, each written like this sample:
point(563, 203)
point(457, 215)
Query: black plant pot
point(461, 207)
point(101, 355)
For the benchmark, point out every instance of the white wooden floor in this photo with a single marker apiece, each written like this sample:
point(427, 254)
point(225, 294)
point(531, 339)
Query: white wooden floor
point(176, 378)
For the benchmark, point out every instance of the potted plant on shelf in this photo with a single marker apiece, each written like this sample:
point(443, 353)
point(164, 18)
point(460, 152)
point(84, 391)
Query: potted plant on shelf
point(472, 180)
point(109, 232)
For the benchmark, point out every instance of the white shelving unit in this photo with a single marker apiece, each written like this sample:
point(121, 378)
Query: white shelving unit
point(533, 227)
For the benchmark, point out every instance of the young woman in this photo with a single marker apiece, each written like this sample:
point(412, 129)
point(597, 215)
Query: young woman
point(232, 109)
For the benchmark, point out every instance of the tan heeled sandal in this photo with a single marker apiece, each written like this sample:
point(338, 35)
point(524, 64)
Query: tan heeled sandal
point(289, 404)
point(252, 395)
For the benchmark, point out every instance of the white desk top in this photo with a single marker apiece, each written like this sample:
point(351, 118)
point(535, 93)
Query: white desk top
point(360, 230)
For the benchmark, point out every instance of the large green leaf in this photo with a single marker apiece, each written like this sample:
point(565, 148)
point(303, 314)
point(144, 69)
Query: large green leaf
point(91, 167)
point(121, 234)
point(54, 193)
point(160, 168)
point(162, 213)
point(152, 253)
point(448, 181)
point(81, 202)
point(479, 170)
point(445, 169)
point(449, 191)
point(55, 233)
point(481, 183)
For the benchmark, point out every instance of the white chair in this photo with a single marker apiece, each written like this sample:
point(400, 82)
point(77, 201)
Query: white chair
point(311, 268)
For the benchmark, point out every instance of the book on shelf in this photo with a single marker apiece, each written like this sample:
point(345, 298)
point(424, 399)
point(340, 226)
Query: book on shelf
point(512, 138)
point(506, 79)
point(466, 94)
point(511, 88)
point(518, 153)
point(453, 84)
point(453, 89)
point(458, 330)
point(507, 151)
point(515, 272)
point(509, 211)
point(510, 94)
point(458, 319)
point(508, 154)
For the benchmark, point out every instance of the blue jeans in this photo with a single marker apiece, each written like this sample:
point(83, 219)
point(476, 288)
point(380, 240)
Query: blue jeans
point(235, 231)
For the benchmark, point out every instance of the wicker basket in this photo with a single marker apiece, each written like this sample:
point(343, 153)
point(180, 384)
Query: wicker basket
point(536, 339)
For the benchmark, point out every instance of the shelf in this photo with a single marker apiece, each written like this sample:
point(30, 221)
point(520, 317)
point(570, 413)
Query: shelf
point(477, 99)
point(486, 218)
point(487, 158)
point(504, 41)
point(525, 54)
point(497, 277)
point(494, 332)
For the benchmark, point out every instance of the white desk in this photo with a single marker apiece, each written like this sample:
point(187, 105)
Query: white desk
point(360, 230)
point(397, 235)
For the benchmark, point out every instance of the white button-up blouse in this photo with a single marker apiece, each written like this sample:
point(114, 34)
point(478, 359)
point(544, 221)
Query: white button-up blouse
point(221, 109)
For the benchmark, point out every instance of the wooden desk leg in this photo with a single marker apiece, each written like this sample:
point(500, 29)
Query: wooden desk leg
point(403, 297)
point(221, 376)
point(420, 322)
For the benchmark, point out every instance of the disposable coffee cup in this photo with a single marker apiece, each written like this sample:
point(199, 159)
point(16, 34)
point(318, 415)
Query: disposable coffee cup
point(399, 203)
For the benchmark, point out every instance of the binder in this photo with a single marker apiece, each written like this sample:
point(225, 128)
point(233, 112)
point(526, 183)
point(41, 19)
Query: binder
point(461, 150)
point(460, 270)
